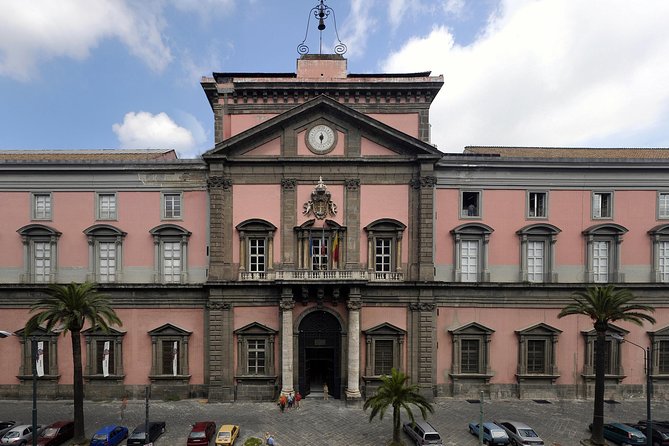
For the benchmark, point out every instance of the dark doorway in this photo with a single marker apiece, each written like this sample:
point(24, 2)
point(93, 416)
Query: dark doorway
point(319, 354)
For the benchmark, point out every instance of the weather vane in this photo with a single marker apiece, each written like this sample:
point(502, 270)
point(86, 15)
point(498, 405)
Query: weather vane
point(321, 12)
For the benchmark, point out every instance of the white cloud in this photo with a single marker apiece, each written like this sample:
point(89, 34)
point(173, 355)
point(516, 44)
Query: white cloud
point(548, 72)
point(396, 10)
point(358, 26)
point(35, 31)
point(143, 130)
point(206, 9)
point(454, 7)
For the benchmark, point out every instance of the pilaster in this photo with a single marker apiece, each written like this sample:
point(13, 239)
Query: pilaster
point(422, 348)
point(288, 221)
point(286, 305)
point(353, 387)
point(220, 224)
point(352, 222)
point(221, 365)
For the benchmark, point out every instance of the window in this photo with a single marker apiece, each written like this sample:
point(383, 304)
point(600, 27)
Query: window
point(602, 205)
point(172, 205)
point(659, 236)
point(613, 365)
point(104, 354)
point(321, 249)
point(471, 252)
point(319, 254)
point(105, 253)
point(170, 353)
point(537, 204)
point(106, 208)
point(603, 253)
point(385, 343)
point(384, 245)
point(41, 206)
point(47, 345)
point(255, 350)
point(537, 352)
point(256, 239)
point(537, 247)
point(170, 252)
point(39, 253)
point(659, 340)
point(662, 205)
point(470, 204)
point(471, 352)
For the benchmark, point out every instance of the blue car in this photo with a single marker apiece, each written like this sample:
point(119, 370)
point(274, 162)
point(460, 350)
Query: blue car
point(492, 433)
point(111, 435)
point(623, 434)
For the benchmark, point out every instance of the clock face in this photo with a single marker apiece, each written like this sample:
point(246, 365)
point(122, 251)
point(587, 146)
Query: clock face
point(321, 138)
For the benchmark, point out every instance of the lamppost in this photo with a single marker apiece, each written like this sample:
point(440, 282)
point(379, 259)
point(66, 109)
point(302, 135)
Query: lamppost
point(648, 361)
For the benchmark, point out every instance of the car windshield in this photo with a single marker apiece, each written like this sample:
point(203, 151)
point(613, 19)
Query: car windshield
point(529, 433)
point(100, 437)
point(432, 437)
point(12, 434)
point(197, 435)
point(224, 435)
point(137, 435)
point(497, 434)
point(50, 432)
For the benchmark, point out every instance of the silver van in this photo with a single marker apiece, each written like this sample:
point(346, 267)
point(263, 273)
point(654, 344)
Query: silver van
point(422, 433)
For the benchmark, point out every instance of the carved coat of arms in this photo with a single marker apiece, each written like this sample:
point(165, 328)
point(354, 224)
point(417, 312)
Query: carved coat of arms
point(321, 202)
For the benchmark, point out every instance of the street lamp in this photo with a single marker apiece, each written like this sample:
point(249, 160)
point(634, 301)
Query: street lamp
point(648, 360)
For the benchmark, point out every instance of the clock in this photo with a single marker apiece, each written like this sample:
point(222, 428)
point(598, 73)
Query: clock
point(321, 138)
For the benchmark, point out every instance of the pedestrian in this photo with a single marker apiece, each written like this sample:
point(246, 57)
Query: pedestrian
point(298, 398)
point(270, 441)
point(124, 405)
point(291, 400)
point(282, 402)
point(325, 391)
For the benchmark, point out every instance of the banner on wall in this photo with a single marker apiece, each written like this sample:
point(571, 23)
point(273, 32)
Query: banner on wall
point(105, 360)
point(175, 351)
point(39, 362)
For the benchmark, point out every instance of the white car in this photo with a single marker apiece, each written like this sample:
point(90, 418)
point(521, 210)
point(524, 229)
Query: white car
point(520, 434)
point(19, 435)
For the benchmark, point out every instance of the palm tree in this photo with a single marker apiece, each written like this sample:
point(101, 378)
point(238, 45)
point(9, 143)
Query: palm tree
point(397, 393)
point(68, 308)
point(604, 305)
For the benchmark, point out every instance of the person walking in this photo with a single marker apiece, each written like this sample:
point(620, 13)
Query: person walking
point(291, 400)
point(282, 402)
point(298, 398)
point(124, 405)
point(325, 391)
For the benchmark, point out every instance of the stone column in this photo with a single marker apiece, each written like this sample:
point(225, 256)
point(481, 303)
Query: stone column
point(353, 387)
point(287, 304)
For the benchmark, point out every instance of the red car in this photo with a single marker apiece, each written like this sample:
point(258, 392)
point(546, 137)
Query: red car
point(202, 433)
point(56, 433)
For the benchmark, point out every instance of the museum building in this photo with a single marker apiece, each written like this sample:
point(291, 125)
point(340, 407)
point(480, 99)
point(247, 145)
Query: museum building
point(325, 240)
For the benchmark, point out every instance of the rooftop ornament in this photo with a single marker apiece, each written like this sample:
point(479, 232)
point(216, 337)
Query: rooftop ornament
point(321, 12)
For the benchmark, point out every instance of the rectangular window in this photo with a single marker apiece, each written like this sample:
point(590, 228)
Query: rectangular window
point(536, 356)
point(383, 255)
point(257, 255)
point(469, 356)
point(42, 262)
point(663, 205)
point(106, 262)
point(600, 261)
point(172, 206)
point(383, 357)
point(106, 206)
point(170, 357)
point(663, 358)
point(602, 205)
point(536, 206)
point(470, 204)
point(100, 355)
point(41, 207)
point(172, 262)
point(664, 261)
point(469, 260)
point(319, 254)
point(256, 356)
point(535, 261)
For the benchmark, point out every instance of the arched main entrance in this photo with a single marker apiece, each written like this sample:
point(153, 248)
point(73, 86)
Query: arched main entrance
point(320, 353)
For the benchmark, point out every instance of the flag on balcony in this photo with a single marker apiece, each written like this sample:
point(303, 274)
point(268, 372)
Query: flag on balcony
point(39, 360)
point(335, 247)
point(105, 360)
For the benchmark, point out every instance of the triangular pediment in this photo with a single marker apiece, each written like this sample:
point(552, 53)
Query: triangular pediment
point(540, 329)
point(265, 139)
point(255, 328)
point(384, 329)
point(169, 330)
point(97, 331)
point(472, 328)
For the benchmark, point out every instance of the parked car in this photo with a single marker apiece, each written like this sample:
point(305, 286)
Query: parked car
point(5, 426)
point(660, 432)
point(227, 434)
point(111, 435)
point(422, 432)
point(520, 433)
point(56, 433)
point(492, 433)
point(138, 436)
point(19, 435)
point(201, 433)
point(623, 434)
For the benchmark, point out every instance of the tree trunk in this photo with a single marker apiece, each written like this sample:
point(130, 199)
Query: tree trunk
point(79, 429)
point(600, 366)
point(396, 425)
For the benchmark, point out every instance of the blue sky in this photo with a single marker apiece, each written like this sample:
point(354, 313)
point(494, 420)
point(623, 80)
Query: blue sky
point(88, 74)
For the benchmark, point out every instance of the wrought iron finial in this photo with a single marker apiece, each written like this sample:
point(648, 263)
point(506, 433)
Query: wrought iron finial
point(321, 12)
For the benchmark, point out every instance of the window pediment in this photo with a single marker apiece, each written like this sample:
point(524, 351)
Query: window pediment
point(38, 331)
point(255, 328)
point(539, 229)
point(660, 230)
point(473, 328)
point(660, 332)
point(384, 329)
point(168, 230)
point(169, 330)
point(385, 225)
point(609, 229)
point(255, 225)
point(36, 230)
point(473, 229)
point(104, 231)
point(97, 331)
point(612, 329)
point(539, 329)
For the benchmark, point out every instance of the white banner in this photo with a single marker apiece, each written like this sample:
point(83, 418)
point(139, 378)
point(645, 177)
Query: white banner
point(39, 362)
point(175, 352)
point(105, 360)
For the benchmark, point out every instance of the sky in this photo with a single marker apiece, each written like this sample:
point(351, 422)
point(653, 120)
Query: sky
point(105, 74)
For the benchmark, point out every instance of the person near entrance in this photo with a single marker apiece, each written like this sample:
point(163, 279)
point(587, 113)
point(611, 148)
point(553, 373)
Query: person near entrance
point(325, 391)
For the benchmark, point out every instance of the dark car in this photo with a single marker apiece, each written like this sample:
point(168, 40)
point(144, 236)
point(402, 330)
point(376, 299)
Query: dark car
point(5, 426)
point(56, 433)
point(660, 432)
point(138, 436)
point(202, 433)
point(110, 435)
point(623, 434)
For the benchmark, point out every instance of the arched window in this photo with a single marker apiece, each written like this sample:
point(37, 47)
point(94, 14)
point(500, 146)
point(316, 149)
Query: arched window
point(537, 253)
point(170, 253)
point(471, 252)
point(105, 254)
point(40, 254)
point(384, 248)
point(603, 253)
point(256, 249)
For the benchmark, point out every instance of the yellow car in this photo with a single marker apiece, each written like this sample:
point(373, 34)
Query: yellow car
point(227, 434)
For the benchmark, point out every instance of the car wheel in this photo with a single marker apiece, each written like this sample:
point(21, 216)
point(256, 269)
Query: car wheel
point(471, 431)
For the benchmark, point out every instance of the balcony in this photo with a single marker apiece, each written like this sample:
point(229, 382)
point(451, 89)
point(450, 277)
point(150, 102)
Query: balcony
point(322, 275)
